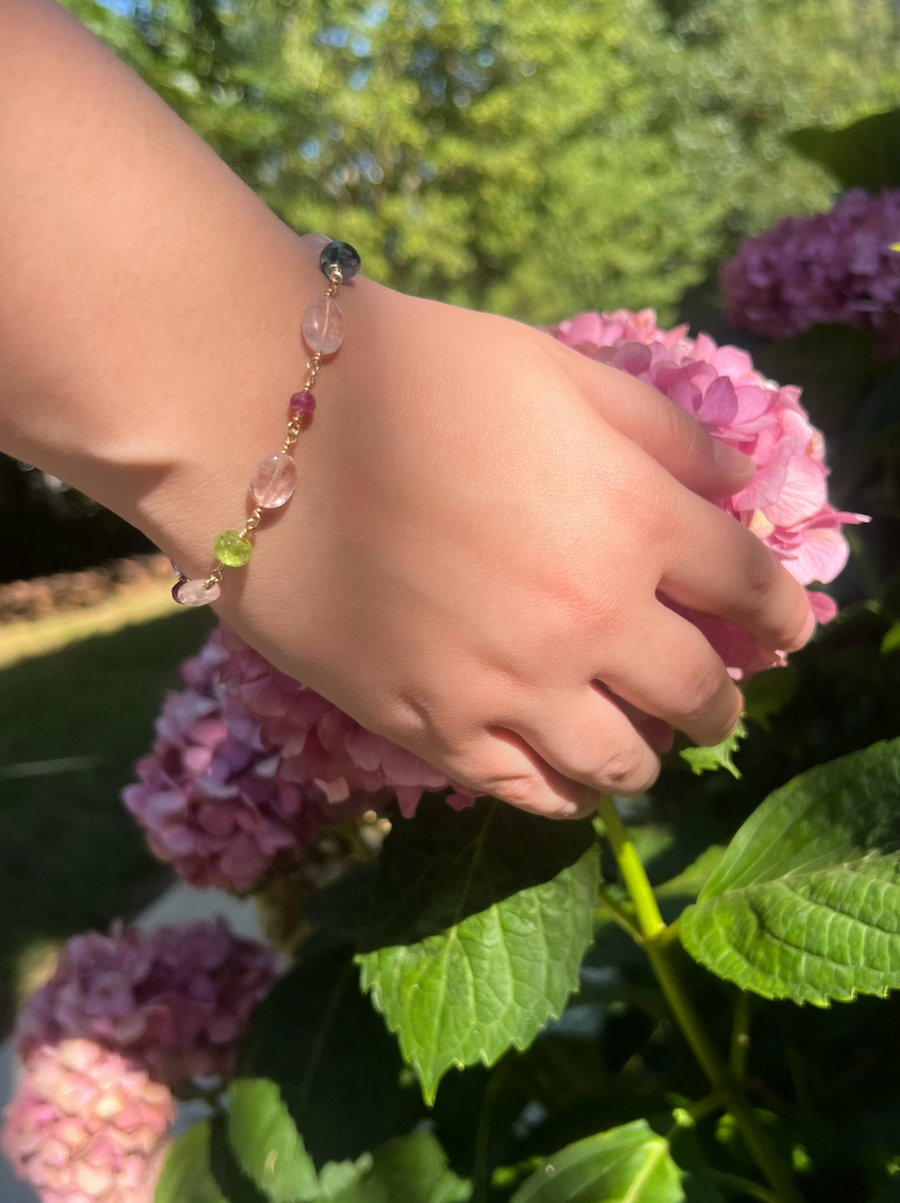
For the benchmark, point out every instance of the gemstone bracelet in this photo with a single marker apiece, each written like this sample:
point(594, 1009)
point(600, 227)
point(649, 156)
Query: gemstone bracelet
point(275, 477)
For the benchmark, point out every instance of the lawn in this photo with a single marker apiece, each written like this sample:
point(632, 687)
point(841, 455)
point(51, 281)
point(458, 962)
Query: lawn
point(72, 723)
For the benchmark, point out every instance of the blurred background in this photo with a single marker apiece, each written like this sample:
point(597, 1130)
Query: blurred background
point(527, 157)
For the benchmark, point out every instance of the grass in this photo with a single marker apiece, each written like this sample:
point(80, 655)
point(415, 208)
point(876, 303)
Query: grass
point(22, 640)
point(72, 724)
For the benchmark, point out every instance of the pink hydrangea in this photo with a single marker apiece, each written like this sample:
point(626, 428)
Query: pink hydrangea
point(176, 1002)
point(209, 798)
point(786, 503)
point(321, 744)
point(834, 267)
point(87, 1126)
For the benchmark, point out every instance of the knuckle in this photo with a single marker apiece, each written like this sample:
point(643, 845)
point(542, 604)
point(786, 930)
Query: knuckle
point(704, 684)
point(760, 577)
point(624, 771)
point(521, 790)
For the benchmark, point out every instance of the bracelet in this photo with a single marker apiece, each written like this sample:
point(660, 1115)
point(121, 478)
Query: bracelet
point(274, 478)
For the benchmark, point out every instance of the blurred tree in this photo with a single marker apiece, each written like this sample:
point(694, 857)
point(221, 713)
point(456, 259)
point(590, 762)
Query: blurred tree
point(518, 155)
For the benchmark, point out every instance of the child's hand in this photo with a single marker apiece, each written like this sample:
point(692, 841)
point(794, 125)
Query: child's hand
point(471, 561)
point(483, 518)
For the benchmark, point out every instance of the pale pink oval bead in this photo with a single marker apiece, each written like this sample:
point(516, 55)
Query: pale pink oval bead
point(194, 593)
point(273, 481)
point(323, 325)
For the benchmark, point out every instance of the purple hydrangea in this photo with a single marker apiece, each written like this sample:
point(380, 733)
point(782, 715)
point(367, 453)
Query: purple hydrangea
point(834, 267)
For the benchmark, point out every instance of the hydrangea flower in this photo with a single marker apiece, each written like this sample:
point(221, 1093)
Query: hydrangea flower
point(786, 503)
point(176, 1002)
point(209, 798)
point(320, 744)
point(87, 1126)
point(834, 267)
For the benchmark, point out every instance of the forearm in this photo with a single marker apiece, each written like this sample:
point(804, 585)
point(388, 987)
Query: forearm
point(150, 302)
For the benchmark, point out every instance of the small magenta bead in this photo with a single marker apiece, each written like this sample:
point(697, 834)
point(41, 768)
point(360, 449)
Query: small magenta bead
point(195, 593)
point(302, 403)
point(273, 480)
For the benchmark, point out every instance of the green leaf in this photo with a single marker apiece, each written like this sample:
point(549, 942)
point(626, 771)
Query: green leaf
point(863, 155)
point(408, 1168)
point(336, 1067)
point(805, 904)
point(767, 694)
point(186, 1176)
point(235, 1184)
point(691, 880)
point(479, 922)
point(267, 1144)
point(891, 641)
point(630, 1164)
point(708, 760)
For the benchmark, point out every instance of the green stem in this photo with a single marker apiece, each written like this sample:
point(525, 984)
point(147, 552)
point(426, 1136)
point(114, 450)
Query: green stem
point(658, 949)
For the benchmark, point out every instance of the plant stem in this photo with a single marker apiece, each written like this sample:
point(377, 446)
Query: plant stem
point(658, 949)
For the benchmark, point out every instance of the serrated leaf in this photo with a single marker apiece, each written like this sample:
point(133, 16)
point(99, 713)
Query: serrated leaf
point(186, 1176)
point(267, 1144)
point(865, 154)
point(720, 756)
point(479, 922)
point(408, 1168)
point(806, 902)
point(630, 1164)
point(336, 1067)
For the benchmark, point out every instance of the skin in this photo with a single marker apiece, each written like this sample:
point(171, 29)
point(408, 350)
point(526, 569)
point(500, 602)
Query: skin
point(483, 520)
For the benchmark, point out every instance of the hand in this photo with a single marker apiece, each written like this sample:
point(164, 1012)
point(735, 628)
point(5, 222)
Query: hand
point(470, 564)
point(483, 518)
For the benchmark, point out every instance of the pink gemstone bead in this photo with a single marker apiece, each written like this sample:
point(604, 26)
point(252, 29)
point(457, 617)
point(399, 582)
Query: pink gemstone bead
point(273, 480)
point(323, 325)
point(193, 593)
point(302, 403)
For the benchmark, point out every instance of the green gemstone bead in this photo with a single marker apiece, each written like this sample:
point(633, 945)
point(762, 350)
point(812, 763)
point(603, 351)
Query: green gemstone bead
point(230, 549)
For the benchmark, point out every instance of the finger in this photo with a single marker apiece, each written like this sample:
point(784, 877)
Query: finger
point(718, 567)
point(677, 677)
point(500, 763)
point(663, 429)
point(592, 741)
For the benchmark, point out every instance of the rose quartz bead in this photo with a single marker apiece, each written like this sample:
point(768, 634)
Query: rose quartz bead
point(302, 403)
point(273, 480)
point(323, 325)
point(193, 593)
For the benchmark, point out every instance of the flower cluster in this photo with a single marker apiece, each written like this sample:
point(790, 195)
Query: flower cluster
point(834, 267)
point(125, 1020)
point(322, 745)
point(176, 1001)
point(786, 502)
point(87, 1126)
point(209, 798)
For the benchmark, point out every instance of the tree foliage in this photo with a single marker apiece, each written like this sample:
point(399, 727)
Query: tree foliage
point(515, 155)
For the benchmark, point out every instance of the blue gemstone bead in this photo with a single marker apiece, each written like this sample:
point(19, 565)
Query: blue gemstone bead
point(342, 255)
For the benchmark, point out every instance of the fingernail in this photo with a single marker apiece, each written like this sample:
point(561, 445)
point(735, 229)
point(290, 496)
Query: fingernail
point(734, 462)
